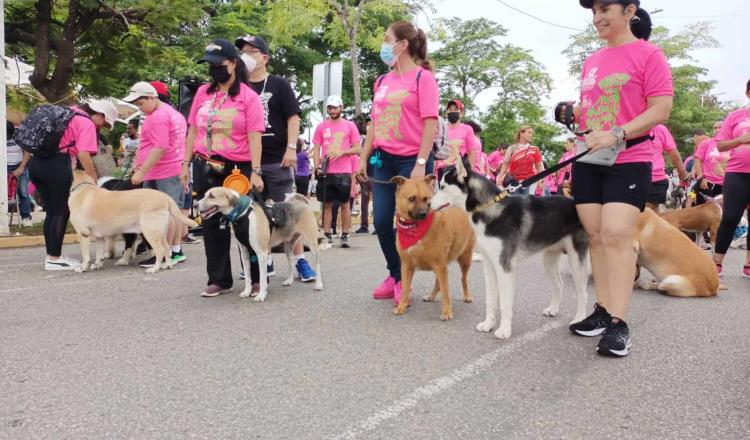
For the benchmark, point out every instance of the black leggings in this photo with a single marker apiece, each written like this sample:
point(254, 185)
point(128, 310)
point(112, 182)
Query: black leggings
point(736, 198)
point(52, 177)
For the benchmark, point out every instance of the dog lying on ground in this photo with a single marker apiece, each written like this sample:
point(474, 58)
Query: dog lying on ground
point(98, 213)
point(448, 237)
point(509, 229)
point(132, 241)
point(681, 268)
point(261, 228)
point(697, 219)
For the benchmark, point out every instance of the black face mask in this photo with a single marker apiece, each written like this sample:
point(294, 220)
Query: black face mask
point(219, 74)
point(453, 117)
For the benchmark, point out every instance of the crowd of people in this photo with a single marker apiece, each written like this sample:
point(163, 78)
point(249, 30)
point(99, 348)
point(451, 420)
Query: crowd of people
point(247, 119)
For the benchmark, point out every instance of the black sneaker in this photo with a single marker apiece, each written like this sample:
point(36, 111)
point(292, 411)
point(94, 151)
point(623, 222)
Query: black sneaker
point(362, 230)
point(329, 238)
point(616, 340)
point(147, 264)
point(594, 325)
point(344, 240)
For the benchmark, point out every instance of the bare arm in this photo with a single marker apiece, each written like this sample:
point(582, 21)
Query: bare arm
point(88, 165)
point(256, 152)
point(734, 143)
point(674, 156)
point(504, 167)
point(189, 146)
point(366, 151)
point(292, 133)
point(425, 147)
point(316, 156)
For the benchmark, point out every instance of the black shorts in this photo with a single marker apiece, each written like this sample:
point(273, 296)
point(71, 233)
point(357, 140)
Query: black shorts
point(620, 183)
point(338, 187)
point(658, 193)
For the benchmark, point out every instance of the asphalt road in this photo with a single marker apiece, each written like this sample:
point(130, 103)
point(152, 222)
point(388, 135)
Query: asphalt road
point(119, 354)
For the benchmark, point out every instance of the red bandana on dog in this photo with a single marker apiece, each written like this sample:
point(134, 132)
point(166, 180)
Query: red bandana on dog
point(410, 232)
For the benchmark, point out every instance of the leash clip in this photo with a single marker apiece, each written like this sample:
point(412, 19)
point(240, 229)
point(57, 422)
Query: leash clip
point(513, 188)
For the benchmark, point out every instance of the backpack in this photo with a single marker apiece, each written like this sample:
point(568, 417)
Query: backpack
point(440, 147)
point(41, 131)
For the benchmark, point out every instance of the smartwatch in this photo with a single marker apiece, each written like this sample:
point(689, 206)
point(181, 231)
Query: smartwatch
point(258, 171)
point(421, 162)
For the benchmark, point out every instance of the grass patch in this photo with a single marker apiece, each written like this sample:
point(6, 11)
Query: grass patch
point(36, 229)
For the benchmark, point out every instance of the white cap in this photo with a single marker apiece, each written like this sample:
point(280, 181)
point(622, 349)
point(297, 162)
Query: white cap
point(140, 90)
point(106, 108)
point(334, 101)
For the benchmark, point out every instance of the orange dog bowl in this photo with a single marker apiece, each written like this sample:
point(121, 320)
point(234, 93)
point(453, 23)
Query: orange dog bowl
point(238, 182)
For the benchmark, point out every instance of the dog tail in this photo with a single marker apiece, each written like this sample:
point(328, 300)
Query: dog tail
point(298, 197)
point(176, 213)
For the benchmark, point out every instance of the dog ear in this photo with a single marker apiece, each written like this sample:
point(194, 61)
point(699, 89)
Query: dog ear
point(461, 173)
point(234, 197)
point(430, 180)
point(398, 180)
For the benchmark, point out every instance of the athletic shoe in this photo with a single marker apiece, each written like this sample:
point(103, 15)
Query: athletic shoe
point(242, 275)
point(305, 272)
point(386, 289)
point(333, 230)
point(594, 325)
point(344, 240)
point(190, 239)
point(362, 230)
point(746, 271)
point(26, 223)
point(329, 238)
point(62, 263)
point(214, 290)
point(147, 264)
point(142, 248)
point(270, 270)
point(719, 268)
point(178, 257)
point(476, 256)
point(616, 340)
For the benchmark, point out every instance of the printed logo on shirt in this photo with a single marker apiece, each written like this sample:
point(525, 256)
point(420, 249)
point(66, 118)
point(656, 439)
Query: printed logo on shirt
point(335, 144)
point(603, 114)
point(221, 128)
point(388, 123)
point(265, 98)
point(590, 81)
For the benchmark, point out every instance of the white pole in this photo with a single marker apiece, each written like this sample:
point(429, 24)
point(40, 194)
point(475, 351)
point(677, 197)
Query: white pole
point(4, 229)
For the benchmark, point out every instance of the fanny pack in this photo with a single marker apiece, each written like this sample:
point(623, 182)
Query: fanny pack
point(607, 156)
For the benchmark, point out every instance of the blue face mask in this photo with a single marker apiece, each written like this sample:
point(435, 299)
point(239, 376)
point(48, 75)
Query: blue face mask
point(386, 54)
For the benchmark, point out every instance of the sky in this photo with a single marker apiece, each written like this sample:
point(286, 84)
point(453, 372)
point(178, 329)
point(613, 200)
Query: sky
point(729, 64)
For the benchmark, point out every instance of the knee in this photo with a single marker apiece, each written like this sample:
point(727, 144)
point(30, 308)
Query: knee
point(615, 237)
point(595, 238)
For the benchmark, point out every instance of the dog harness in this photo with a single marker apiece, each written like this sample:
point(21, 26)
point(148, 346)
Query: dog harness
point(411, 232)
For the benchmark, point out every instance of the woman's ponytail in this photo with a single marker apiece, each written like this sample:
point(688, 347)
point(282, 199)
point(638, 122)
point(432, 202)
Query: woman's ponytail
point(641, 25)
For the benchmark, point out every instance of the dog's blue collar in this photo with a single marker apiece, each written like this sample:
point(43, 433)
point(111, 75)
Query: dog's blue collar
point(240, 209)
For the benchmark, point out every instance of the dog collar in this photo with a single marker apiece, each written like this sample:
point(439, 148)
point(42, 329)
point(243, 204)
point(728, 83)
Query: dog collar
point(240, 209)
point(75, 187)
point(411, 232)
point(497, 199)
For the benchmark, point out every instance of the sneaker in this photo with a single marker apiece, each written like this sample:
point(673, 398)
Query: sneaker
point(270, 270)
point(746, 271)
point(344, 240)
point(142, 248)
point(706, 247)
point(595, 324)
point(214, 290)
point(719, 268)
point(242, 275)
point(190, 239)
point(26, 223)
point(62, 263)
point(178, 257)
point(362, 230)
point(386, 289)
point(147, 264)
point(616, 340)
point(476, 256)
point(305, 272)
point(329, 238)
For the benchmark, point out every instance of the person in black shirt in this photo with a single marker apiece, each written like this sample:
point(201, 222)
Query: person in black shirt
point(282, 117)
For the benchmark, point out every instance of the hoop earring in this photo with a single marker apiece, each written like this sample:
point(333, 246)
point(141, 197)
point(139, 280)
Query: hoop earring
point(635, 19)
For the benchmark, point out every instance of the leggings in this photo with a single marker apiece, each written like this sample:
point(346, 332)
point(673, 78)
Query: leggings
point(736, 198)
point(53, 177)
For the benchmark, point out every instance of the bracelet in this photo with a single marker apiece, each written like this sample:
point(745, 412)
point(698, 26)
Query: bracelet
point(291, 147)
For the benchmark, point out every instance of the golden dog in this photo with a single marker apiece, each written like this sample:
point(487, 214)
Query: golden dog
point(697, 219)
point(450, 237)
point(99, 213)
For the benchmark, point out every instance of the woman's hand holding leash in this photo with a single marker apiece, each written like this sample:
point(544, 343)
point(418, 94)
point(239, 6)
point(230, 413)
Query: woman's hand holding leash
point(362, 171)
point(417, 172)
point(256, 181)
point(600, 139)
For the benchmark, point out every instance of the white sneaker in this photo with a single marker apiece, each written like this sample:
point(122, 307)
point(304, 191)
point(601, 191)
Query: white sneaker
point(26, 223)
point(62, 263)
point(476, 257)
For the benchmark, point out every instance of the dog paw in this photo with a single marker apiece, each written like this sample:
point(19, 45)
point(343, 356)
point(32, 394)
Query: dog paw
point(468, 300)
point(80, 269)
point(446, 316)
point(259, 298)
point(318, 287)
point(502, 332)
point(287, 282)
point(246, 293)
point(108, 255)
point(97, 266)
point(550, 311)
point(399, 310)
point(485, 326)
point(428, 299)
point(154, 269)
point(122, 262)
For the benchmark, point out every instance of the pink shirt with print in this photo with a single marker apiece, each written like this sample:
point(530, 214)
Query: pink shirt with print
point(713, 161)
point(461, 140)
point(81, 133)
point(616, 84)
point(495, 160)
point(736, 125)
point(565, 171)
point(337, 136)
point(235, 117)
point(166, 129)
point(400, 106)
point(663, 142)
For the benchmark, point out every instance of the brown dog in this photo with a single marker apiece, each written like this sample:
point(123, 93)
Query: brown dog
point(697, 219)
point(681, 267)
point(449, 237)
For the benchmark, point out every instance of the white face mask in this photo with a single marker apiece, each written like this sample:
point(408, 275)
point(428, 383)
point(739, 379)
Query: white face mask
point(249, 61)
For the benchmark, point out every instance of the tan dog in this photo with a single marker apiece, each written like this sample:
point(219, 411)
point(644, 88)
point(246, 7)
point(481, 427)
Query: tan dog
point(99, 213)
point(681, 267)
point(449, 238)
point(697, 219)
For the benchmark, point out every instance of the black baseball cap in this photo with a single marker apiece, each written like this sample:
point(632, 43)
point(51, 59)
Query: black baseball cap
point(257, 42)
point(588, 4)
point(218, 51)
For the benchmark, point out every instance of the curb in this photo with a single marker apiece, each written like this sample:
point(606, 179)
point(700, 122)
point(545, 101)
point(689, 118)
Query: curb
point(31, 241)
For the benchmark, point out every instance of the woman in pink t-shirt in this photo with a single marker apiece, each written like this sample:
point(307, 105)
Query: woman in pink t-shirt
point(399, 140)
point(226, 122)
point(663, 142)
point(710, 166)
point(734, 137)
point(53, 175)
point(626, 90)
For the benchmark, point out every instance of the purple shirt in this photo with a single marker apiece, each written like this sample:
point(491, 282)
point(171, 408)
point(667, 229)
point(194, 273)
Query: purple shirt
point(303, 164)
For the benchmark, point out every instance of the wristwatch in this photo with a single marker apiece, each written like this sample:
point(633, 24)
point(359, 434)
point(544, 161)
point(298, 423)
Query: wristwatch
point(258, 171)
point(619, 134)
point(292, 147)
point(421, 161)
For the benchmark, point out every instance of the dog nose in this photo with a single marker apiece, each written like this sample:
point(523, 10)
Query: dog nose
point(420, 215)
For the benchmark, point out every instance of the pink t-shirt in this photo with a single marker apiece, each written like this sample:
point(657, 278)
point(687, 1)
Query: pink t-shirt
point(399, 108)
point(337, 136)
point(480, 165)
point(235, 117)
point(737, 124)
point(663, 142)
point(550, 183)
point(461, 141)
point(81, 132)
point(616, 83)
point(165, 128)
point(565, 171)
point(495, 160)
point(713, 161)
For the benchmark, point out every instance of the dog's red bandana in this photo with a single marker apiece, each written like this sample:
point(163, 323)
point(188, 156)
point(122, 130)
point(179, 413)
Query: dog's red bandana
point(410, 232)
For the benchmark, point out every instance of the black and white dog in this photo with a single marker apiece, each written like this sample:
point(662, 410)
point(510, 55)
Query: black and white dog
point(510, 229)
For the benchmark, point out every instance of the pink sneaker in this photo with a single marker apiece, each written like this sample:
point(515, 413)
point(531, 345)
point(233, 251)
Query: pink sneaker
point(385, 289)
point(719, 268)
point(746, 271)
point(397, 294)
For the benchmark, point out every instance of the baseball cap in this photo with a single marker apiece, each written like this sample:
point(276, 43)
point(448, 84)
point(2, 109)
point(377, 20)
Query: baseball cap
point(140, 90)
point(458, 104)
point(218, 51)
point(160, 87)
point(334, 101)
point(106, 108)
point(588, 4)
point(257, 42)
